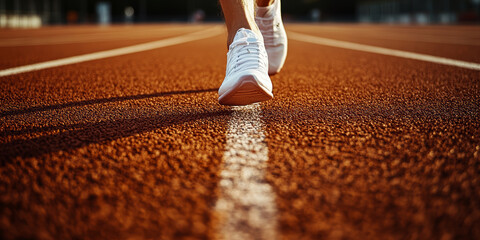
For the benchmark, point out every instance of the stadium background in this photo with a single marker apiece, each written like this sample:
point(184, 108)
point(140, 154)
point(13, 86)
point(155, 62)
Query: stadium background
point(13, 13)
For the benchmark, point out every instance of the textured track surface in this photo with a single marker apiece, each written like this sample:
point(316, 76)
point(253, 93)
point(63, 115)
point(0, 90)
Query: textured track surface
point(360, 145)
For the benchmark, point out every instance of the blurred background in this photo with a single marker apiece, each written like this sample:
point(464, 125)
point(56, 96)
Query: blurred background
point(36, 13)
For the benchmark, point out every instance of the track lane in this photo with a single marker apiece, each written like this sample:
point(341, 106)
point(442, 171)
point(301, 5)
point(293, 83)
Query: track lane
point(360, 146)
point(49, 32)
point(113, 33)
point(461, 42)
point(367, 146)
point(383, 51)
point(125, 147)
point(105, 38)
point(207, 33)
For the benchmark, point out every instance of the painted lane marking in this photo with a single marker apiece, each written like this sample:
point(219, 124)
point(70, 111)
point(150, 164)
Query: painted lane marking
point(246, 206)
point(383, 51)
point(114, 52)
point(386, 33)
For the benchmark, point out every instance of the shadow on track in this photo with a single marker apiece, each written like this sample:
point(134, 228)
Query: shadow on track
point(99, 101)
point(68, 137)
point(79, 135)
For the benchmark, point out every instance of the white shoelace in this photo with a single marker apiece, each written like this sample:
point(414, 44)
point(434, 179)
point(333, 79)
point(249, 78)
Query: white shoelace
point(245, 54)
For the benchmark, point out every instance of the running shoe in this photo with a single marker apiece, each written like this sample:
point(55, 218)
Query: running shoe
point(269, 20)
point(246, 80)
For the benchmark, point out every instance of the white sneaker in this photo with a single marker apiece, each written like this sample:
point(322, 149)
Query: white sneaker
point(269, 20)
point(246, 80)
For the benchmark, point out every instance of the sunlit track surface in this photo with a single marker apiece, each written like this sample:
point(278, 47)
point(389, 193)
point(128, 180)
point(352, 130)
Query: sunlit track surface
point(22, 47)
point(360, 145)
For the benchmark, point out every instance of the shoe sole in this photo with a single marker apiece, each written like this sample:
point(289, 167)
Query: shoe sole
point(245, 92)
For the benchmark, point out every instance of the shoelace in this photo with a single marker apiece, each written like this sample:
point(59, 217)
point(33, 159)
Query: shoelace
point(245, 54)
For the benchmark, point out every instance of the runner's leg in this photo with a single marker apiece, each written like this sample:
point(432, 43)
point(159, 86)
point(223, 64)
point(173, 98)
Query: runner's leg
point(239, 14)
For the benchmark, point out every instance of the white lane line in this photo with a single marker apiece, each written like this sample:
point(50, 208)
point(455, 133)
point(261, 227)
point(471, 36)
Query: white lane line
point(384, 51)
point(115, 52)
point(246, 205)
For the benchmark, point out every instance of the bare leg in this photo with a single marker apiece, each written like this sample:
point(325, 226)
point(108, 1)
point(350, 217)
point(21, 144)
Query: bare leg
point(239, 14)
point(264, 3)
